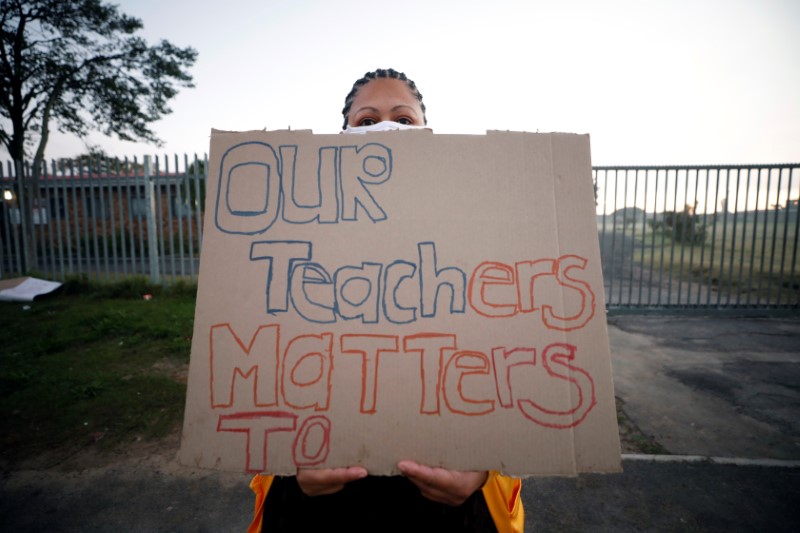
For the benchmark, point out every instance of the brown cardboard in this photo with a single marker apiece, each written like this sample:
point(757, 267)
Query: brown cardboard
point(358, 304)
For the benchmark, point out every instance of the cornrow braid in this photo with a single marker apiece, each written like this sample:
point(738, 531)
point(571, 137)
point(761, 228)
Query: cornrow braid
point(380, 73)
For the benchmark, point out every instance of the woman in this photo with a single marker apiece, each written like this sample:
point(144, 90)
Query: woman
point(423, 498)
point(381, 96)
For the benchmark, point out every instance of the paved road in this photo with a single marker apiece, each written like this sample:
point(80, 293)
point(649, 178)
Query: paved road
point(711, 386)
point(667, 497)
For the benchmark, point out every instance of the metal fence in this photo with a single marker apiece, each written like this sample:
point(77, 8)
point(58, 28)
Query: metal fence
point(678, 236)
point(106, 219)
point(700, 237)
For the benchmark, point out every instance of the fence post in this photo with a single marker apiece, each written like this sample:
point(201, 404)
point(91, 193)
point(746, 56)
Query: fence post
point(152, 232)
point(25, 205)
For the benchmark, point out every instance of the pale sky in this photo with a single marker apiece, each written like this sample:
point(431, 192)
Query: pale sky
point(653, 82)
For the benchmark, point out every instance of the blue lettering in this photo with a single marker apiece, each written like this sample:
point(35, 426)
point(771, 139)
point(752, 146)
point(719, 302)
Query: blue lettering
point(257, 185)
point(363, 292)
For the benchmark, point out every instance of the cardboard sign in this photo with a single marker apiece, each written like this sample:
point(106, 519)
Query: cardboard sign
point(25, 289)
point(365, 299)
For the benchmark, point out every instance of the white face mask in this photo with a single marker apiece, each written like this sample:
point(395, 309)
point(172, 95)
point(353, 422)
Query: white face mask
point(386, 125)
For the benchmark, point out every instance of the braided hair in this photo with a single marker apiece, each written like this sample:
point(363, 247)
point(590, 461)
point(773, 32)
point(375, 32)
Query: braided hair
point(380, 73)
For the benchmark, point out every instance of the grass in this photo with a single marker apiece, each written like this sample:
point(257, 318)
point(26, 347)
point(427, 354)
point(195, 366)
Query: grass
point(93, 364)
point(755, 264)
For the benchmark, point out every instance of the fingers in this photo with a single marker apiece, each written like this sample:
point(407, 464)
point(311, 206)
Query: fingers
point(450, 487)
point(328, 481)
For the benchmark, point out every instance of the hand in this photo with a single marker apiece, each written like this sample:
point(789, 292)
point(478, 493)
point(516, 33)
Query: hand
point(329, 480)
point(444, 486)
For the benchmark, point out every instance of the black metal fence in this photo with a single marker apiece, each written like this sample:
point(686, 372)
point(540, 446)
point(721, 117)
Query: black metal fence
point(671, 236)
point(700, 237)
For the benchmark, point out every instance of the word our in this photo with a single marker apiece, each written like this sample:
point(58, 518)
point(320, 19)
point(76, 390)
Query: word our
point(258, 184)
point(298, 376)
point(370, 290)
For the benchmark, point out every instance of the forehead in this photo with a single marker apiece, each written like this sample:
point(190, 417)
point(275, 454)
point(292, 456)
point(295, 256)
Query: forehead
point(381, 89)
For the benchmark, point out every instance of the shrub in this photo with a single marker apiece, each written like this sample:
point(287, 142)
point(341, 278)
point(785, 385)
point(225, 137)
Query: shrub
point(683, 226)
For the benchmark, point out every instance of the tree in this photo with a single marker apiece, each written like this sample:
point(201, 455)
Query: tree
point(683, 227)
point(79, 64)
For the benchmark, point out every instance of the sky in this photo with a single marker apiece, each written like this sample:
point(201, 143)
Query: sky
point(652, 82)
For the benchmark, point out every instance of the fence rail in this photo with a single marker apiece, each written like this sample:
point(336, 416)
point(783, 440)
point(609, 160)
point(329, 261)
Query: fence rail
point(670, 236)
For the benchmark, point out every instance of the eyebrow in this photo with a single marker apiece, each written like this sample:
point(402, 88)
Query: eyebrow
point(410, 108)
point(372, 109)
point(366, 108)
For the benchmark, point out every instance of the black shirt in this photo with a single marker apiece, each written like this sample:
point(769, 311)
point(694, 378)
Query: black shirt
point(375, 503)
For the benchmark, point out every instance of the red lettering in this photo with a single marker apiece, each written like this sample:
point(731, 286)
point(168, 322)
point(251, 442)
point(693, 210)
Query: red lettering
point(554, 356)
point(489, 294)
point(257, 425)
point(258, 360)
point(528, 273)
point(565, 264)
point(307, 367)
point(369, 347)
point(431, 348)
point(503, 361)
point(491, 277)
point(464, 364)
point(305, 439)
point(446, 373)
